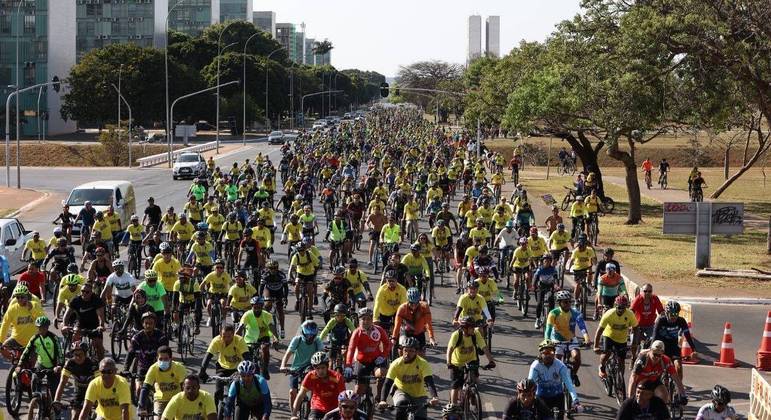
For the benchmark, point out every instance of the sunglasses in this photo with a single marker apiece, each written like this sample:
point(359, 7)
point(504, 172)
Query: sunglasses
point(347, 407)
point(647, 291)
point(107, 372)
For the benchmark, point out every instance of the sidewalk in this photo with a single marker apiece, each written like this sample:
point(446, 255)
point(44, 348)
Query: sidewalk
point(13, 199)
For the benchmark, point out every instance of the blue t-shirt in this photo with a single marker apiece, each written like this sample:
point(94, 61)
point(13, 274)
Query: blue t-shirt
point(545, 275)
point(6, 270)
point(303, 351)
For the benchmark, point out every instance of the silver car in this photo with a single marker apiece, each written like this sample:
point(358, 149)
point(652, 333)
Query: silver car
point(276, 137)
point(189, 165)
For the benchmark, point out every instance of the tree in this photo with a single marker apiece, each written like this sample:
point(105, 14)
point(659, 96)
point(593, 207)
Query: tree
point(426, 75)
point(322, 47)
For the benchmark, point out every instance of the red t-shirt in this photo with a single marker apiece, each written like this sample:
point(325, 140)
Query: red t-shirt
point(325, 391)
point(648, 370)
point(368, 346)
point(646, 314)
point(33, 282)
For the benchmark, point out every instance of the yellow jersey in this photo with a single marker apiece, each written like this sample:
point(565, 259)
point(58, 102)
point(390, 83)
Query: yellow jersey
point(167, 272)
point(616, 327)
point(232, 230)
point(22, 321)
point(521, 257)
point(441, 235)
point(114, 221)
point(411, 211)
point(292, 232)
point(479, 233)
point(240, 296)
point(215, 222)
point(537, 246)
point(464, 350)
point(104, 227)
point(387, 301)
point(184, 231)
point(409, 377)
point(473, 307)
point(582, 260)
point(203, 253)
point(559, 240)
point(187, 291)
point(217, 284)
point(304, 264)
point(488, 289)
point(135, 232)
point(229, 355)
point(36, 248)
point(65, 295)
point(357, 280)
point(167, 383)
point(108, 401)
point(181, 408)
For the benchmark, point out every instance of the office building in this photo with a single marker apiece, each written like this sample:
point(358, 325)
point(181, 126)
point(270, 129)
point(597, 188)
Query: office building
point(493, 36)
point(266, 21)
point(310, 58)
point(193, 16)
point(286, 36)
point(299, 39)
point(102, 24)
point(323, 59)
point(474, 48)
point(235, 10)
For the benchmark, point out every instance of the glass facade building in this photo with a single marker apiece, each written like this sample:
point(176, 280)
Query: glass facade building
point(235, 10)
point(265, 21)
point(101, 24)
point(193, 16)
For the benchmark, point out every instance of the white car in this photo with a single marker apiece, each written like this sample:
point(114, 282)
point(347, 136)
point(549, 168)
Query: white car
point(276, 137)
point(189, 165)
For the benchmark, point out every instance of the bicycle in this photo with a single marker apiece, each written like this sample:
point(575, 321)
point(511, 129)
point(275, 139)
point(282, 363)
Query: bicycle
point(663, 181)
point(41, 405)
point(697, 195)
point(648, 180)
point(118, 341)
point(584, 290)
point(305, 300)
point(674, 405)
point(225, 381)
point(305, 407)
point(593, 230)
point(135, 259)
point(567, 407)
point(523, 296)
point(186, 336)
point(569, 198)
point(215, 317)
point(469, 396)
point(561, 261)
point(614, 382)
point(17, 384)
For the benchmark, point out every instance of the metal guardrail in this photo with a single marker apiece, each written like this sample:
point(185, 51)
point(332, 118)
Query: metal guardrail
point(164, 157)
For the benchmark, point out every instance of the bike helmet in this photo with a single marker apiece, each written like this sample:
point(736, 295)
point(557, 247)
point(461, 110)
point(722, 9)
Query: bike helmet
point(579, 198)
point(509, 224)
point(341, 308)
point(365, 312)
point(165, 247)
point(415, 247)
point(523, 241)
point(150, 274)
point(546, 344)
point(219, 261)
point(353, 262)
point(248, 232)
point(721, 395)
point(483, 271)
point(98, 215)
point(609, 252)
point(483, 249)
point(474, 284)
point(61, 241)
point(42, 321)
point(672, 308)
point(20, 290)
point(533, 230)
point(134, 217)
point(390, 274)
point(410, 343)
point(273, 265)
point(310, 328)
point(609, 267)
point(622, 301)
point(257, 300)
point(526, 384)
point(78, 345)
point(658, 347)
point(148, 314)
point(319, 358)
point(467, 321)
point(413, 295)
point(183, 216)
point(200, 235)
point(560, 226)
point(58, 231)
point(247, 367)
point(202, 226)
point(72, 268)
point(72, 281)
point(241, 273)
point(339, 270)
point(118, 263)
point(140, 293)
point(348, 395)
point(232, 215)
point(563, 295)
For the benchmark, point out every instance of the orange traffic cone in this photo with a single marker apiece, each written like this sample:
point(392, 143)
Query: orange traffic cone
point(686, 353)
point(727, 358)
point(764, 352)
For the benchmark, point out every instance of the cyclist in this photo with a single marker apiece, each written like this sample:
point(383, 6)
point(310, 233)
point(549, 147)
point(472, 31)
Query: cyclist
point(260, 330)
point(399, 270)
point(324, 384)
point(68, 289)
point(463, 350)
point(644, 404)
point(526, 405)
point(388, 299)
point(488, 290)
point(613, 330)
point(34, 249)
point(581, 261)
point(650, 366)
point(506, 240)
point(186, 296)
point(135, 311)
point(89, 311)
point(191, 403)
point(697, 183)
point(165, 377)
point(550, 376)
point(441, 237)
point(275, 287)
point(545, 282)
point(231, 350)
point(303, 264)
point(578, 214)
point(81, 369)
point(609, 286)
point(338, 234)
point(339, 329)
point(247, 396)
point(44, 346)
point(647, 167)
point(593, 205)
point(166, 266)
point(301, 348)
point(520, 263)
point(109, 393)
point(646, 307)
point(201, 253)
point(19, 317)
point(472, 304)
point(371, 346)
point(391, 234)
point(410, 374)
point(120, 284)
point(417, 266)
point(157, 295)
point(62, 255)
point(668, 328)
point(663, 169)
point(359, 283)
point(347, 403)
point(182, 232)
point(216, 284)
point(34, 280)
point(375, 222)
point(144, 346)
point(718, 409)
point(239, 296)
point(560, 329)
point(553, 221)
point(413, 319)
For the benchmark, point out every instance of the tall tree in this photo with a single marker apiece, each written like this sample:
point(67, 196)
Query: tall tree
point(426, 75)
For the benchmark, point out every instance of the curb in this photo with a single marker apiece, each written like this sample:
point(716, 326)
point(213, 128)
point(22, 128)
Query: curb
point(31, 204)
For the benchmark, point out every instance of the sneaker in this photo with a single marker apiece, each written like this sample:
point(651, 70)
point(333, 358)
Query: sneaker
point(457, 291)
point(369, 263)
point(576, 382)
point(283, 335)
point(538, 323)
point(602, 373)
point(197, 330)
point(208, 322)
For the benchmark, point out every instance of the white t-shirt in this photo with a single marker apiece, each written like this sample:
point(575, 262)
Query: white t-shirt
point(707, 412)
point(507, 238)
point(122, 286)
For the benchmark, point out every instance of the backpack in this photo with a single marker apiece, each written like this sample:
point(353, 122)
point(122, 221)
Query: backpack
point(473, 341)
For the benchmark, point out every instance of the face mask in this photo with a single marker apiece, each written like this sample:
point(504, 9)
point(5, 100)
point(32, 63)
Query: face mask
point(164, 364)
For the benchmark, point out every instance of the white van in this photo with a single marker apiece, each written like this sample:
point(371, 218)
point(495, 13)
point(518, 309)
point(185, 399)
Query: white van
point(101, 194)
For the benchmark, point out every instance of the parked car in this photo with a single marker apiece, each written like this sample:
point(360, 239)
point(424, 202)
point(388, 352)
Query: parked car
point(101, 194)
point(276, 137)
point(12, 240)
point(188, 165)
point(156, 138)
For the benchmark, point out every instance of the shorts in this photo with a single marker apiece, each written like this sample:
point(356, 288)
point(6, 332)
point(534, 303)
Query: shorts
point(387, 320)
point(277, 296)
point(359, 296)
point(117, 300)
point(566, 345)
point(521, 270)
point(303, 278)
point(608, 301)
point(364, 371)
point(374, 236)
point(457, 376)
point(317, 414)
point(657, 382)
point(610, 346)
point(672, 349)
point(420, 337)
point(555, 253)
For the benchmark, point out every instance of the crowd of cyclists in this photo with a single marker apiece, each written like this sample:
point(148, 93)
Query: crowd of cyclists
point(422, 206)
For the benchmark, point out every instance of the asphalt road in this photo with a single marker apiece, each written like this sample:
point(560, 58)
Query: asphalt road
point(515, 342)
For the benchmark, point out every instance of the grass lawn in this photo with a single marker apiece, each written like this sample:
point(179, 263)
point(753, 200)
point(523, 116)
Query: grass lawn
point(668, 260)
point(6, 212)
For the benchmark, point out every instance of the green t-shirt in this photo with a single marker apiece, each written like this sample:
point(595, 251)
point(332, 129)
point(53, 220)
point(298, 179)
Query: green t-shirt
point(154, 294)
point(256, 327)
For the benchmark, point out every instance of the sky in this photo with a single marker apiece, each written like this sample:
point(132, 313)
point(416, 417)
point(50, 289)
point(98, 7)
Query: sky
point(382, 36)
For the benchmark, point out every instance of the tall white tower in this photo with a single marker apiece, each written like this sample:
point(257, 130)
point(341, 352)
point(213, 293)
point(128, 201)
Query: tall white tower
point(474, 49)
point(493, 36)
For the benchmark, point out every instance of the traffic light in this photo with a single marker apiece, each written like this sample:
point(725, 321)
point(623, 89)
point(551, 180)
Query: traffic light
point(384, 90)
point(56, 84)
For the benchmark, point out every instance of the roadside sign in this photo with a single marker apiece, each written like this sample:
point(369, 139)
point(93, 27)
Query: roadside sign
point(184, 130)
point(725, 218)
point(548, 199)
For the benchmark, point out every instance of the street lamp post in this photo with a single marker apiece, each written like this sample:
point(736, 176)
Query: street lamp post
point(267, 64)
point(219, 54)
point(18, 135)
point(39, 95)
point(302, 100)
point(166, 69)
point(120, 71)
point(244, 85)
point(121, 98)
point(333, 86)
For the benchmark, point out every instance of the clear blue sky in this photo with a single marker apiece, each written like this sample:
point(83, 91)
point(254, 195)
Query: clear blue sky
point(381, 36)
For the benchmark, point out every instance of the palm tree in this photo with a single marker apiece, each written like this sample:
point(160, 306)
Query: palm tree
point(323, 47)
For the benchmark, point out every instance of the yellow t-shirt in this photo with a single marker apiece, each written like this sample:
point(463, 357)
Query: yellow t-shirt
point(65, 295)
point(521, 257)
point(108, 401)
point(473, 307)
point(464, 350)
point(471, 218)
point(537, 246)
point(411, 211)
point(232, 230)
point(184, 232)
point(215, 222)
point(135, 232)
point(266, 215)
point(582, 260)
point(167, 383)
point(203, 253)
point(114, 221)
point(193, 211)
point(616, 327)
point(167, 272)
point(262, 236)
point(218, 284)
point(387, 301)
point(441, 236)
point(104, 227)
point(209, 206)
point(500, 220)
point(559, 240)
point(188, 291)
point(229, 355)
point(37, 248)
point(292, 232)
point(488, 290)
point(168, 221)
point(22, 320)
point(240, 296)
point(304, 264)
point(471, 253)
point(181, 408)
point(357, 280)
point(483, 234)
point(409, 377)
point(486, 213)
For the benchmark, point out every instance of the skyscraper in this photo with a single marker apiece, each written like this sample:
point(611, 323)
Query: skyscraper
point(235, 10)
point(266, 21)
point(299, 39)
point(493, 36)
point(474, 48)
point(285, 35)
point(310, 58)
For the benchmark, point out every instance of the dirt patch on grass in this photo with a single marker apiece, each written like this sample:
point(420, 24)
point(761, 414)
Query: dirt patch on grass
point(60, 154)
point(13, 199)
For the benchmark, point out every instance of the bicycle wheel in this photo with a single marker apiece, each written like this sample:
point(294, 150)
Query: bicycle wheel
point(522, 292)
point(376, 260)
point(675, 409)
point(215, 320)
point(619, 385)
point(582, 301)
point(184, 333)
point(116, 343)
point(568, 402)
point(566, 202)
point(608, 204)
point(190, 345)
point(13, 394)
point(472, 405)
point(305, 408)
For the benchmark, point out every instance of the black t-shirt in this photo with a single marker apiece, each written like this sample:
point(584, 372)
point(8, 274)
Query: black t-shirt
point(86, 311)
point(82, 373)
point(630, 410)
point(153, 212)
point(516, 411)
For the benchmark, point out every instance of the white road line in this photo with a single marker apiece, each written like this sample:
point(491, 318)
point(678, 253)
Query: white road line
point(489, 410)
